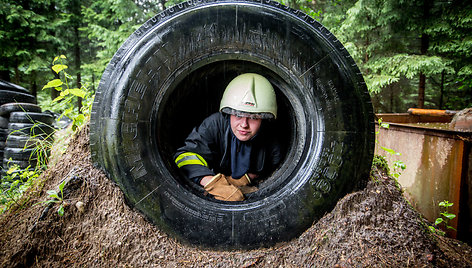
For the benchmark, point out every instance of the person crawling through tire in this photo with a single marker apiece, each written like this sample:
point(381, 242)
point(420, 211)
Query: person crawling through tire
point(234, 147)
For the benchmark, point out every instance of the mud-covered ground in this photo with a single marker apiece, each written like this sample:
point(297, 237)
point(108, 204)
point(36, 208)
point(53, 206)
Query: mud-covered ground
point(372, 227)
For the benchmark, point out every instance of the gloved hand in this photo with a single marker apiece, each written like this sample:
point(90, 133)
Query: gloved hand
point(221, 189)
point(242, 183)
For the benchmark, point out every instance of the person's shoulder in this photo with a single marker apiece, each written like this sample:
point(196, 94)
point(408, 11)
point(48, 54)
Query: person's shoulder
point(216, 118)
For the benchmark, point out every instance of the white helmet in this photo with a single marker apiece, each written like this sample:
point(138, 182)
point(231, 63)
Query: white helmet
point(249, 95)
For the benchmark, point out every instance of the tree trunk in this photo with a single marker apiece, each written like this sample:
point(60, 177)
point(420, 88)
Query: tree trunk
point(423, 51)
point(17, 75)
point(441, 93)
point(34, 85)
point(421, 90)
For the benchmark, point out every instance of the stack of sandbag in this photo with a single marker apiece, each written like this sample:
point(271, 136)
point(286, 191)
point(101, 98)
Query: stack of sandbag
point(22, 126)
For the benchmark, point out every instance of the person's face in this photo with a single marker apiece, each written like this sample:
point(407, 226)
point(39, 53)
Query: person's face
point(244, 128)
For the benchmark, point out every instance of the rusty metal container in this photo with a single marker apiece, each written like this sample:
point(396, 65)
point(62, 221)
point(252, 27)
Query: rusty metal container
point(438, 163)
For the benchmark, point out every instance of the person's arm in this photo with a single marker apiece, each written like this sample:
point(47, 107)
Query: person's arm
point(195, 159)
point(193, 166)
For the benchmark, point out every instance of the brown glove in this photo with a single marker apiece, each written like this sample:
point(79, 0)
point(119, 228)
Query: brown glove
point(243, 184)
point(219, 187)
point(243, 181)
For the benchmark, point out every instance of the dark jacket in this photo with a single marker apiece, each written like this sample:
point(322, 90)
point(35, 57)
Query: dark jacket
point(212, 141)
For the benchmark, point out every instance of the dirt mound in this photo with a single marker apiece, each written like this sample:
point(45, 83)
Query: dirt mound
point(372, 227)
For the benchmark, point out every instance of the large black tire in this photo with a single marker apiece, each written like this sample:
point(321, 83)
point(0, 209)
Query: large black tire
point(7, 96)
point(3, 122)
point(5, 85)
point(7, 163)
point(3, 134)
point(33, 130)
point(8, 108)
point(21, 141)
point(28, 154)
point(29, 117)
point(171, 73)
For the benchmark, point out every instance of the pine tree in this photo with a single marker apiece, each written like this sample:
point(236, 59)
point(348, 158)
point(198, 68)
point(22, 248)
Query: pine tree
point(395, 48)
point(27, 44)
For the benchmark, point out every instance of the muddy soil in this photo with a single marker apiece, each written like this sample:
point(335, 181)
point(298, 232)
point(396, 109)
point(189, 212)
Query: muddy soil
point(372, 227)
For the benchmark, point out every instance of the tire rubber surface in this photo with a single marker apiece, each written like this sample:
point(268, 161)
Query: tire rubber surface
point(4, 85)
point(20, 141)
point(20, 154)
point(8, 108)
point(205, 44)
point(3, 134)
point(30, 129)
point(31, 117)
point(3, 122)
point(7, 96)
point(7, 163)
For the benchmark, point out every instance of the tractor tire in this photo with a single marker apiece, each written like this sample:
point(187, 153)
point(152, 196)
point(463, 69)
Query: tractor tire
point(171, 73)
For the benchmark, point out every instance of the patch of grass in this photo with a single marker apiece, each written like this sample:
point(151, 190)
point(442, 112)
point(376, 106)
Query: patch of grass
point(13, 185)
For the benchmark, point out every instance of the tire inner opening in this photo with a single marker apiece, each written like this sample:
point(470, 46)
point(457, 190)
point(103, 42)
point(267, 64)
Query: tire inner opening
point(198, 95)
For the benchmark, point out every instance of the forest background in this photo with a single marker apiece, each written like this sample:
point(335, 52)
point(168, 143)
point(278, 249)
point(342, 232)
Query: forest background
point(412, 53)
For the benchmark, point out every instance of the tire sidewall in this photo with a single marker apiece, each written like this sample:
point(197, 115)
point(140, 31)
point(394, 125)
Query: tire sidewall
point(31, 117)
point(7, 96)
point(329, 130)
point(8, 108)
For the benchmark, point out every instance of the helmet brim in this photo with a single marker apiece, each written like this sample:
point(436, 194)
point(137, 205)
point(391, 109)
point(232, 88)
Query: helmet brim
point(231, 111)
